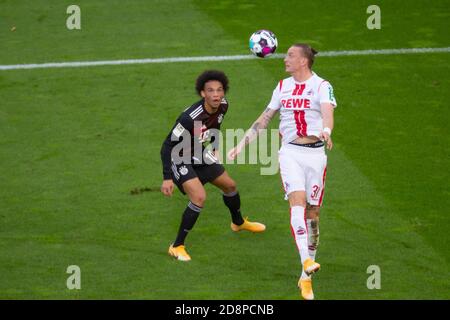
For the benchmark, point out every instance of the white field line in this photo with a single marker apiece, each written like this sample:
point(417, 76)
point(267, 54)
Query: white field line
point(79, 64)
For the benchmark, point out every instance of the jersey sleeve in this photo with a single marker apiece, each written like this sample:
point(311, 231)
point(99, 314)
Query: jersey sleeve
point(326, 94)
point(225, 105)
point(224, 109)
point(183, 125)
point(275, 101)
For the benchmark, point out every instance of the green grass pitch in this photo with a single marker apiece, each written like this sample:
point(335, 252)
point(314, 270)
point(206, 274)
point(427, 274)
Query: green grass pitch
point(75, 141)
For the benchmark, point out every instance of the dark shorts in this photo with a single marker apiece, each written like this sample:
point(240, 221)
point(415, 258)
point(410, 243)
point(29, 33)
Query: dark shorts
point(205, 173)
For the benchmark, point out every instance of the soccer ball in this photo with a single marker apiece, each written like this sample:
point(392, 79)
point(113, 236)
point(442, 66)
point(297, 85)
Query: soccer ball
point(263, 43)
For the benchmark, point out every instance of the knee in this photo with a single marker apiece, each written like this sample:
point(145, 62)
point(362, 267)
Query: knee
point(199, 198)
point(312, 212)
point(230, 187)
point(297, 198)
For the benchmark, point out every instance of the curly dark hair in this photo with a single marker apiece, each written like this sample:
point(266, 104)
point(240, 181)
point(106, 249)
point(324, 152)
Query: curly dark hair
point(210, 75)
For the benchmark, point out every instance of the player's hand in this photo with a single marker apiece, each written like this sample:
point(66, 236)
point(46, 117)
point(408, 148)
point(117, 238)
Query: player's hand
point(233, 153)
point(324, 136)
point(167, 187)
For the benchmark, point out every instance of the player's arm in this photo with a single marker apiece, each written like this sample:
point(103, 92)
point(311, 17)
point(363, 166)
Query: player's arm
point(167, 184)
point(327, 110)
point(327, 105)
point(261, 123)
point(183, 123)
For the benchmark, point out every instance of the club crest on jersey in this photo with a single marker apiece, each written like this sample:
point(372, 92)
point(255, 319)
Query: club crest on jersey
point(301, 231)
point(220, 118)
point(183, 170)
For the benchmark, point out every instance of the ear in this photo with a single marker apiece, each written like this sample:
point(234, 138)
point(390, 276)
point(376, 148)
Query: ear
point(304, 61)
point(202, 93)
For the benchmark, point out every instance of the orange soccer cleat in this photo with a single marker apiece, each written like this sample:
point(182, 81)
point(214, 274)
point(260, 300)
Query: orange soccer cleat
point(179, 252)
point(249, 226)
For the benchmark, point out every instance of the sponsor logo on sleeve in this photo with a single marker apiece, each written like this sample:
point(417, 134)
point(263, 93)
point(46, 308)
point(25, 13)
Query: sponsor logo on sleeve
point(330, 90)
point(178, 130)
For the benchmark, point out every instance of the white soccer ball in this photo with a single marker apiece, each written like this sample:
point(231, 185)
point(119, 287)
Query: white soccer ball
point(263, 43)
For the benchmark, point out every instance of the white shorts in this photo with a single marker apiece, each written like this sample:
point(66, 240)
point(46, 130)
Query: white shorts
point(303, 169)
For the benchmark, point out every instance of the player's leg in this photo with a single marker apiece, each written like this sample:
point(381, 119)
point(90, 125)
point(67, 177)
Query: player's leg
point(312, 223)
point(232, 200)
point(315, 185)
point(230, 196)
point(297, 202)
point(314, 164)
point(188, 183)
point(297, 199)
point(293, 177)
point(197, 196)
point(312, 226)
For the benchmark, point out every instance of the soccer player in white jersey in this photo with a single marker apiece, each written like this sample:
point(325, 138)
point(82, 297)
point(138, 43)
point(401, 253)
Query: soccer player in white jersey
point(306, 104)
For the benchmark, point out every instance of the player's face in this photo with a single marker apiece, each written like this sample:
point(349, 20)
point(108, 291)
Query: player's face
point(213, 94)
point(294, 60)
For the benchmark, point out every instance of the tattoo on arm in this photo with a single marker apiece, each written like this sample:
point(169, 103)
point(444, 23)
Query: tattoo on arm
point(251, 133)
point(267, 116)
point(256, 126)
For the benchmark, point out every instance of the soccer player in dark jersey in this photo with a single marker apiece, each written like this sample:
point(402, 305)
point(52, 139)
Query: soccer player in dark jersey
point(189, 165)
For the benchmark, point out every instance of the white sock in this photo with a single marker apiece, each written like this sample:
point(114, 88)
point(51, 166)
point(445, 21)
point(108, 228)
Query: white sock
point(300, 231)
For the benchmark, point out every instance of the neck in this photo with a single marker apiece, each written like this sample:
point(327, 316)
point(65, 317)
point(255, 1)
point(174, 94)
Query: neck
point(302, 75)
point(209, 109)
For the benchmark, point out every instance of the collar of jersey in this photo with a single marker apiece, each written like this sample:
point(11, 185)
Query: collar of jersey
point(313, 75)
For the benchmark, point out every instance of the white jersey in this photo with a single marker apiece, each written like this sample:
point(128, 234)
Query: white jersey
point(299, 105)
